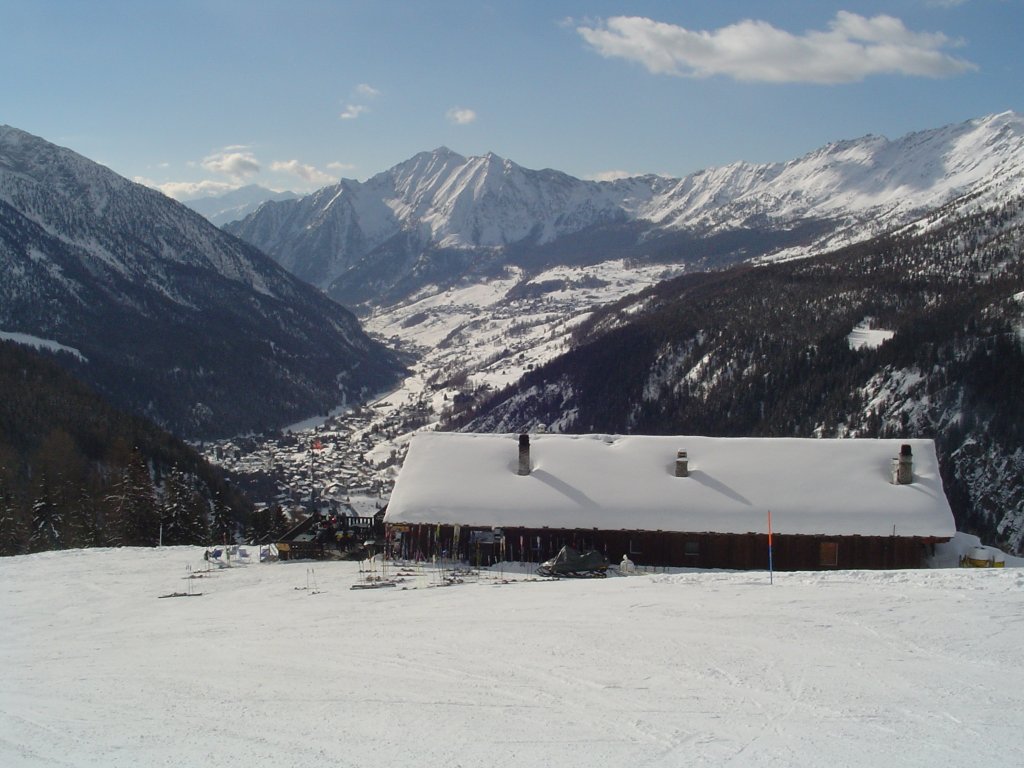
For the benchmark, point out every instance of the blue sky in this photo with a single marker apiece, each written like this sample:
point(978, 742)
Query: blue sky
point(201, 95)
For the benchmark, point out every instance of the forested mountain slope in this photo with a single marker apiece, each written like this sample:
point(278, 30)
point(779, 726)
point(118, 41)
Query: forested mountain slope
point(178, 320)
point(767, 351)
point(76, 472)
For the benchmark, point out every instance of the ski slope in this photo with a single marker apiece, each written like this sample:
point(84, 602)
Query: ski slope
point(277, 664)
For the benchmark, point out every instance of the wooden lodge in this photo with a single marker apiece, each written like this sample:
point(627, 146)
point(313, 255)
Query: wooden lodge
point(671, 501)
point(667, 548)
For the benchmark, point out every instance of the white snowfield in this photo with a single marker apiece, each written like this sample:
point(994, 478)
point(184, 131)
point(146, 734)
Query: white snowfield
point(883, 668)
point(864, 336)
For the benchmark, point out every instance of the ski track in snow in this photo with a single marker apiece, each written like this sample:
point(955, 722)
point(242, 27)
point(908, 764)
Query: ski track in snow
point(917, 668)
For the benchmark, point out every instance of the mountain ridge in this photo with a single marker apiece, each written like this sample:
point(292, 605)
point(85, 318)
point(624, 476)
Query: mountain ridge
point(436, 203)
point(180, 321)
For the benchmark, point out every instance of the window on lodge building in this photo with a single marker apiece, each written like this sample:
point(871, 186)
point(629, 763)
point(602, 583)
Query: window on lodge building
point(691, 549)
point(829, 554)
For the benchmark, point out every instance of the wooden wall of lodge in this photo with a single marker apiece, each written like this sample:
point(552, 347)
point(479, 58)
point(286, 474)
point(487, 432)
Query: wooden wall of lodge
point(662, 548)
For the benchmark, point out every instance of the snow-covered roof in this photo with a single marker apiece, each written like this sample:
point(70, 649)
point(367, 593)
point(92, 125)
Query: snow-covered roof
point(833, 487)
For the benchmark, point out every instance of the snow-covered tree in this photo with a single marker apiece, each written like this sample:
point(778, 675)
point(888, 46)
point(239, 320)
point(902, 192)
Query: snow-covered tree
point(222, 526)
point(47, 526)
point(182, 513)
point(143, 516)
point(115, 510)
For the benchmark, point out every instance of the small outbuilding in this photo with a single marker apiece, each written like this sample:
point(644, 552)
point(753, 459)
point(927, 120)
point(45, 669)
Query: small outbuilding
point(318, 536)
point(671, 500)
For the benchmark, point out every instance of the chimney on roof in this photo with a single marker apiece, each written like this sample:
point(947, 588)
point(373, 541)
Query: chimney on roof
point(905, 466)
point(682, 464)
point(524, 454)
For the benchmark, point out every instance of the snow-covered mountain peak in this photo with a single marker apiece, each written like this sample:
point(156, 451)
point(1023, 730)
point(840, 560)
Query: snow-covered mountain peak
point(31, 165)
point(423, 165)
point(841, 192)
point(413, 184)
point(451, 201)
point(1000, 121)
point(444, 151)
point(119, 225)
point(871, 177)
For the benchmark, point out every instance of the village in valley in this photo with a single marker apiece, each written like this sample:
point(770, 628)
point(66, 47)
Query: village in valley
point(466, 343)
point(343, 464)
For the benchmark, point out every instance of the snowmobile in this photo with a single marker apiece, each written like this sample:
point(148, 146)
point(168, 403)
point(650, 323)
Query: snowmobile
point(572, 563)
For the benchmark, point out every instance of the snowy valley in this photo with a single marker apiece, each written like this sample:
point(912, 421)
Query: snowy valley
point(775, 350)
point(465, 343)
point(507, 293)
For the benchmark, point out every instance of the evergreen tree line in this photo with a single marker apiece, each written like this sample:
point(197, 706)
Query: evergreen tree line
point(75, 472)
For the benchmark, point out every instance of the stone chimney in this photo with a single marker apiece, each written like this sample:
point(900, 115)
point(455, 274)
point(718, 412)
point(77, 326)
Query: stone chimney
point(905, 466)
point(682, 464)
point(524, 454)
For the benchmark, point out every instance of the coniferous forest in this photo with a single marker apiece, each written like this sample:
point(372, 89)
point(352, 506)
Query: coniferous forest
point(76, 472)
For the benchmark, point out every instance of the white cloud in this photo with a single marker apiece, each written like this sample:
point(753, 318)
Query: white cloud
point(851, 49)
point(352, 111)
point(187, 190)
point(460, 116)
point(341, 167)
point(301, 170)
point(235, 161)
point(362, 91)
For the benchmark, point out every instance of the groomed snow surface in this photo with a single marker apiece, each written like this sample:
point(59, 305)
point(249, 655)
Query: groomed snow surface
point(884, 668)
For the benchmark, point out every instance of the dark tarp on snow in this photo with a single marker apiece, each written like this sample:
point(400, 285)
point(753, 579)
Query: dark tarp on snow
point(570, 561)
